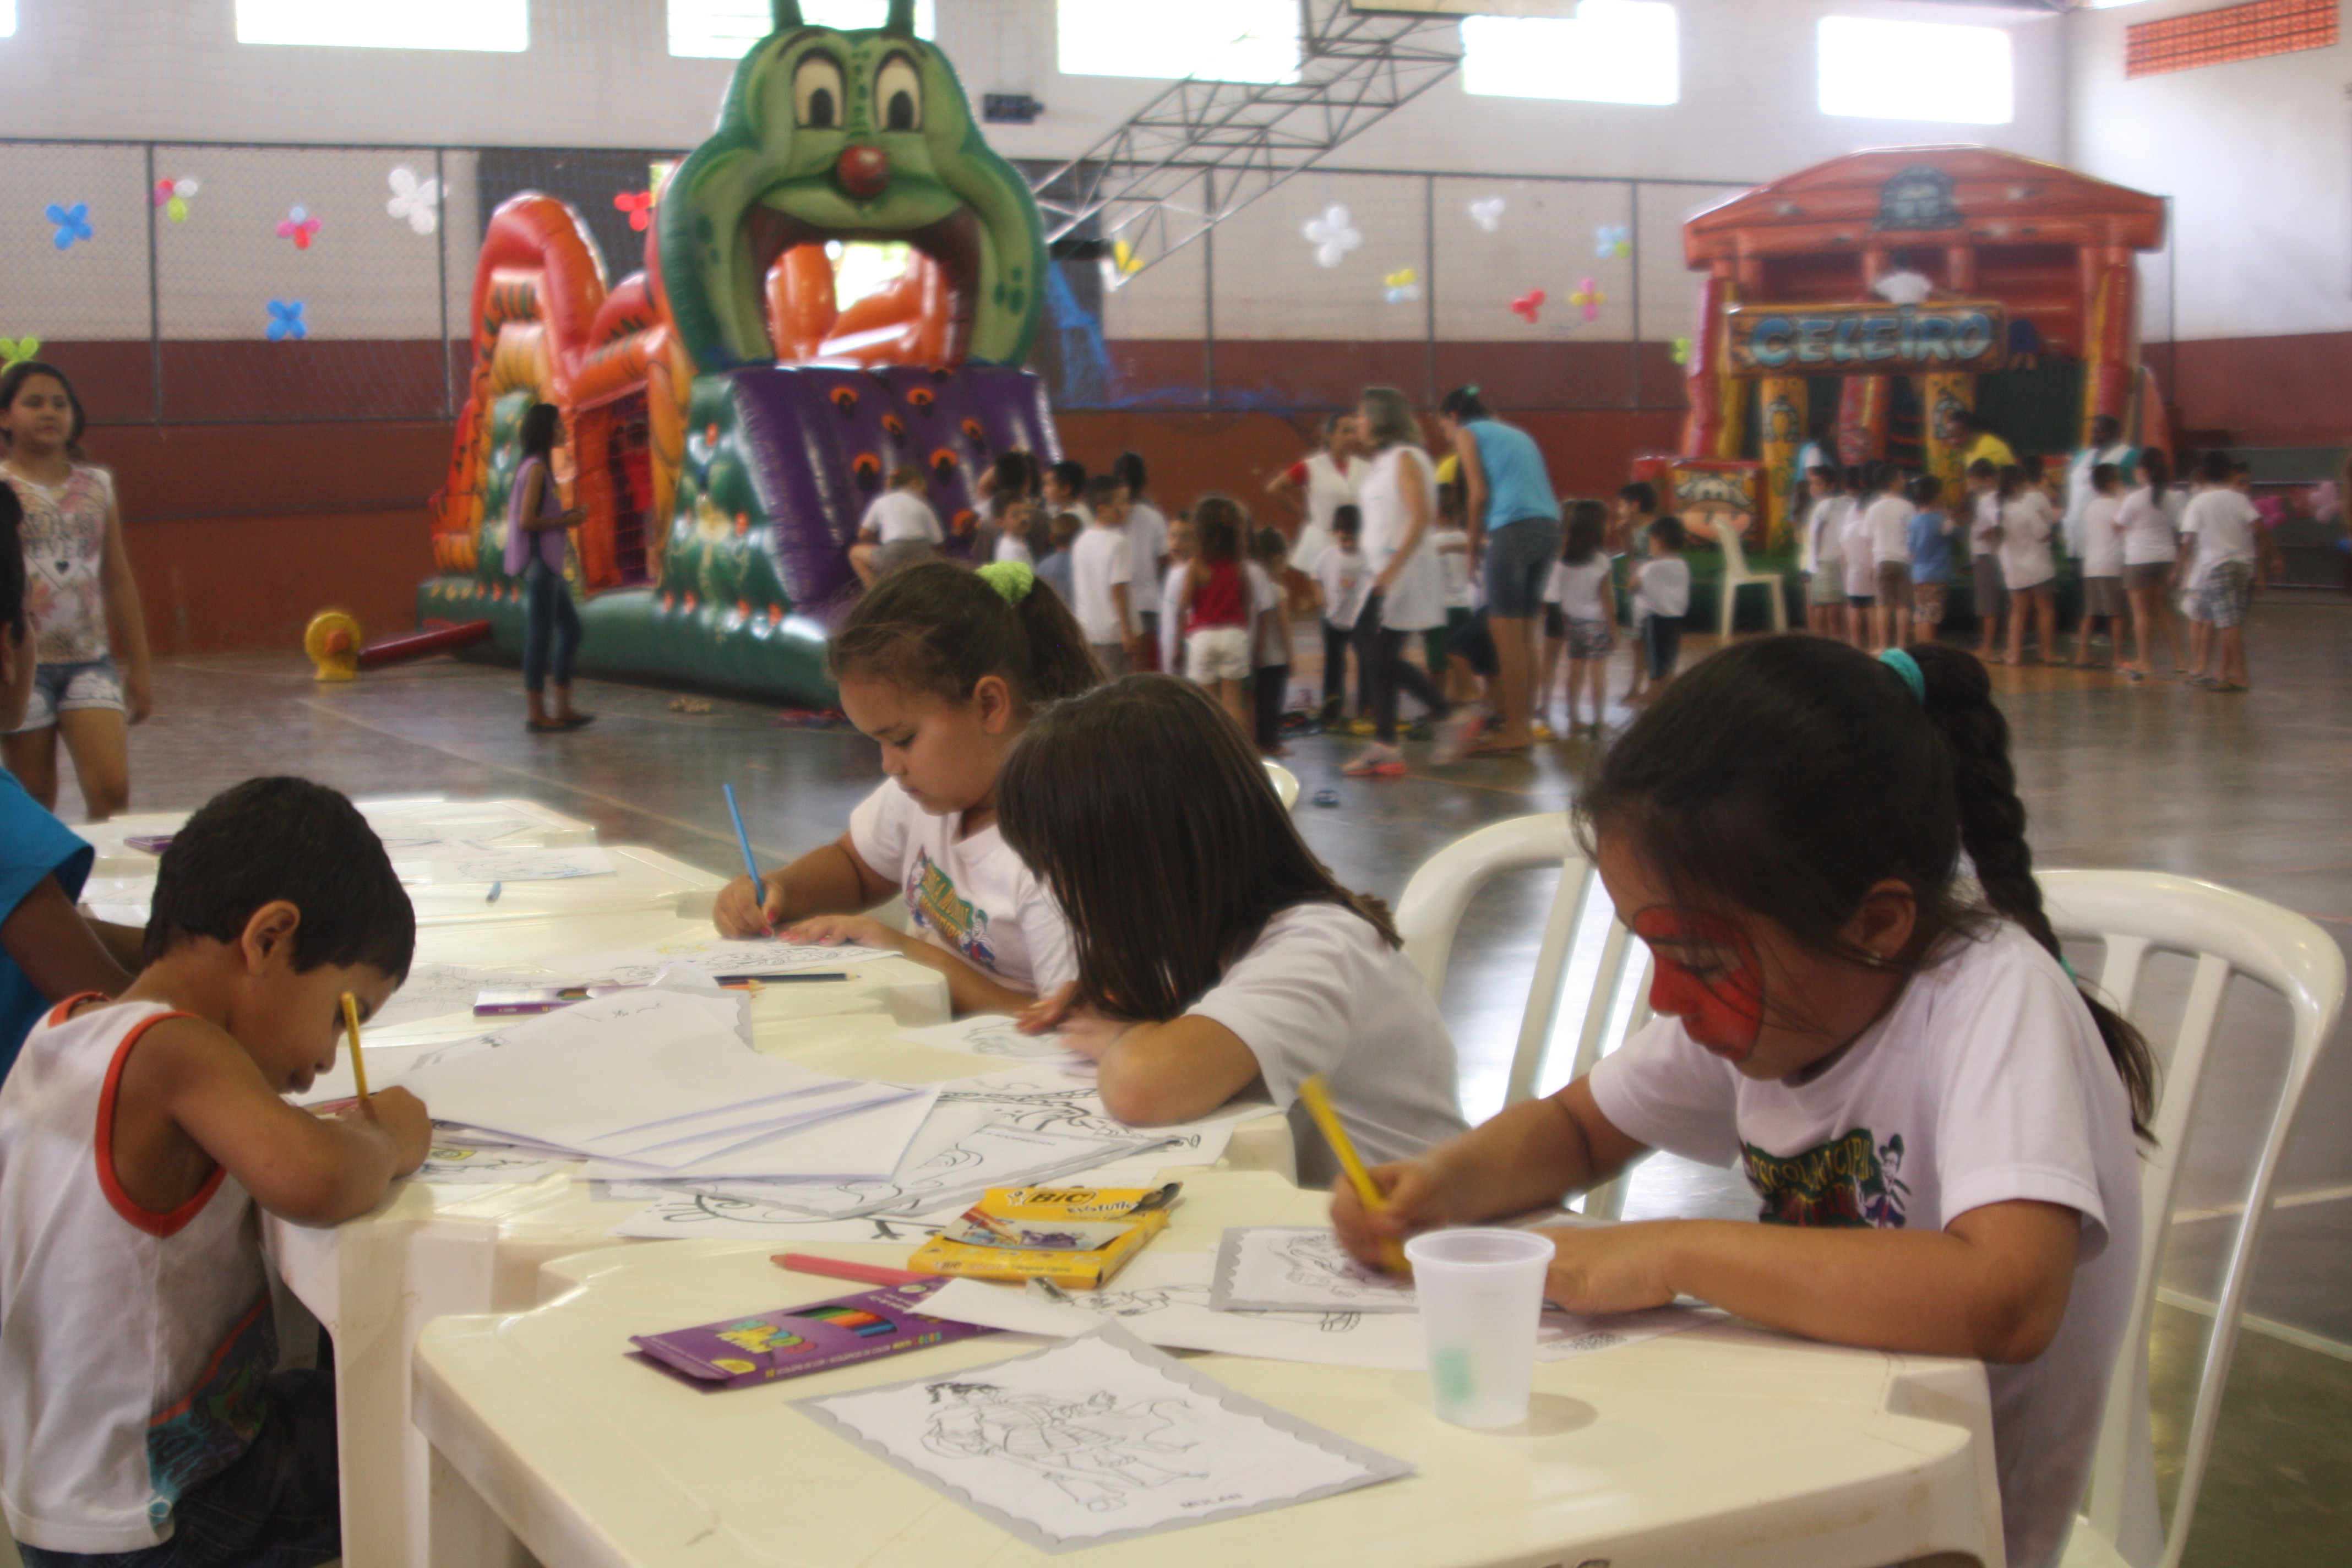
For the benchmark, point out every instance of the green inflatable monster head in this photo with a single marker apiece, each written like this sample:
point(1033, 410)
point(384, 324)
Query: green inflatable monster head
point(853, 136)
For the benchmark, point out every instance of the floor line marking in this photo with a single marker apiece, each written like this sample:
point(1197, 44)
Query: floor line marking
point(2291, 1201)
point(567, 786)
point(2271, 1327)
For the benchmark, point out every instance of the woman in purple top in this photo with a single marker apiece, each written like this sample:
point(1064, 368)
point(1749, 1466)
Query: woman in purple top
point(536, 539)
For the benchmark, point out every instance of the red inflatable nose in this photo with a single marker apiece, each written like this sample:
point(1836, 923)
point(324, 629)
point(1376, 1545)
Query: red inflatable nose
point(863, 171)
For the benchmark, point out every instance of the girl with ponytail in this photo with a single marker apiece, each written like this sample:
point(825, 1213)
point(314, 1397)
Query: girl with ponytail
point(1861, 1001)
point(944, 666)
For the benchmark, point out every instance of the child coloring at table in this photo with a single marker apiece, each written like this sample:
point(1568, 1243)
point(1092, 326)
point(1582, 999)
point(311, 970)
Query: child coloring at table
point(944, 666)
point(1215, 951)
point(1938, 1121)
point(142, 1417)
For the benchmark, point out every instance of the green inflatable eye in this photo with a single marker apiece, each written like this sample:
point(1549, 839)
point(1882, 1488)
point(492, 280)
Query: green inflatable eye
point(899, 95)
point(817, 91)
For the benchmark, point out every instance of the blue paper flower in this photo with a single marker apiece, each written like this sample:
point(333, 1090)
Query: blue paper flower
point(286, 321)
point(1612, 239)
point(73, 223)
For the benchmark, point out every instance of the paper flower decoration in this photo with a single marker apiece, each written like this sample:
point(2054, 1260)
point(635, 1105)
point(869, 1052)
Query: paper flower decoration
point(1682, 351)
point(1333, 235)
point(286, 321)
point(1120, 265)
point(1403, 285)
point(639, 205)
point(1529, 304)
point(1487, 214)
point(73, 224)
point(298, 226)
point(1611, 241)
point(173, 196)
point(414, 201)
point(14, 350)
point(1587, 299)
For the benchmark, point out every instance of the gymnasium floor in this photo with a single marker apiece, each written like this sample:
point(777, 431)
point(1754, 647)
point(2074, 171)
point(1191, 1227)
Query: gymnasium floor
point(2244, 790)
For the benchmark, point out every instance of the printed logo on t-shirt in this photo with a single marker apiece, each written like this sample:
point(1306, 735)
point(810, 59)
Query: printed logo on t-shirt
point(936, 906)
point(1855, 1181)
point(208, 1431)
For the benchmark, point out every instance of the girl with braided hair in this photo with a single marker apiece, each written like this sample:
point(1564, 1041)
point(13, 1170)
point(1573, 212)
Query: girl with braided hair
point(944, 666)
point(1860, 1001)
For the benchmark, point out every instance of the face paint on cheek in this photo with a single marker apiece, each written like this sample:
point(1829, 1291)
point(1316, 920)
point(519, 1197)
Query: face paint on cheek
point(1722, 1009)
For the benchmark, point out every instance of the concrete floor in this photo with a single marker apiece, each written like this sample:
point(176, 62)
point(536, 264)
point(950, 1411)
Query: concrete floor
point(2243, 790)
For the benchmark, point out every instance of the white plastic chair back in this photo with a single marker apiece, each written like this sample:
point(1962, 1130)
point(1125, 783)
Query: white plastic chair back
point(1590, 975)
point(1285, 782)
point(1737, 575)
point(2135, 913)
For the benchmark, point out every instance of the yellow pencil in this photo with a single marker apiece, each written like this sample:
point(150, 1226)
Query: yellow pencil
point(352, 1025)
point(1316, 1095)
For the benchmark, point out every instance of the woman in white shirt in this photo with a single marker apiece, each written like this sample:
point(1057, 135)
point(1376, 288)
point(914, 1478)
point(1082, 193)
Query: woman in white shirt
point(1397, 496)
point(1319, 485)
point(1979, 512)
point(2027, 568)
point(1214, 952)
point(2150, 521)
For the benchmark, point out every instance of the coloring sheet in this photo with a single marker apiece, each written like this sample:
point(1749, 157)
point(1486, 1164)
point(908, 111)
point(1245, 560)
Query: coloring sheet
point(993, 1034)
point(1049, 1097)
point(507, 865)
point(446, 990)
point(1097, 1439)
point(468, 1163)
point(1284, 1269)
point(1163, 1298)
point(713, 956)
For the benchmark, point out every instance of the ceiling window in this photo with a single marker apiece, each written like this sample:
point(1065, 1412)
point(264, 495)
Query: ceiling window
point(1611, 51)
point(1916, 70)
point(496, 25)
point(1217, 40)
point(725, 29)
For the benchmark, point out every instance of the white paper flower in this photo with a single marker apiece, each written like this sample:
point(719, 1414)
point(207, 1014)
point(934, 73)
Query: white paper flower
point(1487, 214)
point(1333, 235)
point(417, 200)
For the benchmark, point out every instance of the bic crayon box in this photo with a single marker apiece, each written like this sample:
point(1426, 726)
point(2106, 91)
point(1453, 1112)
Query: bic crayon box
point(1075, 1237)
point(740, 1352)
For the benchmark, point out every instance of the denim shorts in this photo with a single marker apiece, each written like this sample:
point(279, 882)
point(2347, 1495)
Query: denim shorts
point(62, 688)
point(1520, 557)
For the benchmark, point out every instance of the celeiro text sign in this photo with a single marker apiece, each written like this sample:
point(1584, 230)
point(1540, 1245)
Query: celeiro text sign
point(1865, 340)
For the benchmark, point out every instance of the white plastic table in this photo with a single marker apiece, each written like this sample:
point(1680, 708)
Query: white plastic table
point(1722, 1446)
point(544, 829)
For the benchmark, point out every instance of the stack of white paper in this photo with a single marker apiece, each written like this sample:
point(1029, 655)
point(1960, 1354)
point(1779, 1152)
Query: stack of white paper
point(659, 1084)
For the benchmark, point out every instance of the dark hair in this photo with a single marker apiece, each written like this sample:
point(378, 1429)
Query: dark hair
point(1824, 472)
point(2036, 468)
point(1071, 475)
point(1130, 471)
point(1268, 544)
point(2106, 477)
point(2012, 482)
point(1882, 475)
point(271, 838)
point(1587, 529)
point(1104, 490)
point(12, 569)
point(1787, 775)
point(1346, 518)
point(1015, 472)
point(1984, 468)
point(1147, 811)
point(1065, 527)
point(12, 382)
point(2156, 469)
point(938, 628)
point(1924, 490)
point(541, 422)
point(2215, 467)
point(1669, 531)
point(2106, 421)
point(907, 474)
point(1463, 405)
point(1217, 525)
point(1641, 493)
point(1855, 478)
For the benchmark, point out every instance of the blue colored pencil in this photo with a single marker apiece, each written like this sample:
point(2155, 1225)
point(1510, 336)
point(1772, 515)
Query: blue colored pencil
point(743, 841)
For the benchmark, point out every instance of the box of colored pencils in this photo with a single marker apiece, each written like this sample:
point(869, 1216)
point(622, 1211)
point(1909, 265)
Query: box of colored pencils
point(739, 1352)
point(1075, 1237)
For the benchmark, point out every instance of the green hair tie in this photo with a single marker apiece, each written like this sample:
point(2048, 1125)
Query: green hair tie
point(1009, 578)
point(1900, 662)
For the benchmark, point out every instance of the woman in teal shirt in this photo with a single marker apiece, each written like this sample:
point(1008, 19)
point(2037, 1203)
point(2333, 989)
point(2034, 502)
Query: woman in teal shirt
point(1514, 523)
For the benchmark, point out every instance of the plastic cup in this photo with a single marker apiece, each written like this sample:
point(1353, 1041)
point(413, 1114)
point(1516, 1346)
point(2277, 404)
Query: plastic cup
point(1481, 1294)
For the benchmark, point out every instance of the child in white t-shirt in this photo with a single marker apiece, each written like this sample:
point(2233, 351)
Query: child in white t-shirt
point(1106, 580)
point(1271, 635)
point(1588, 609)
point(899, 529)
point(1214, 950)
point(1343, 577)
point(2103, 563)
point(1937, 1121)
point(1661, 589)
point(942, 666)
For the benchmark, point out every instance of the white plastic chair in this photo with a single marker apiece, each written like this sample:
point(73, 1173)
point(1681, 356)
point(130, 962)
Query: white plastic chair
point(1582, 943)
point(1737, 575)
point(2135, 913)
point(1285, 782)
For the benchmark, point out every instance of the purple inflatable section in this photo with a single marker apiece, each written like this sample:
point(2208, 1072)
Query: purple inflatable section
point(820, 443)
